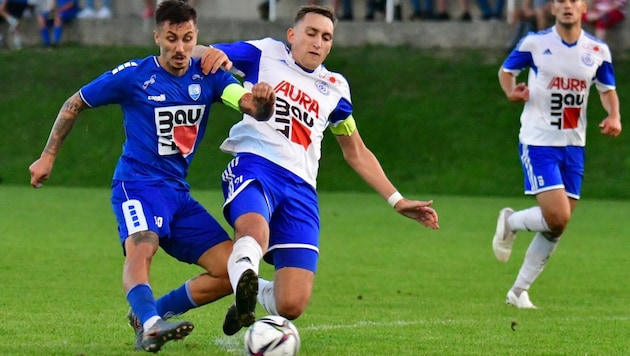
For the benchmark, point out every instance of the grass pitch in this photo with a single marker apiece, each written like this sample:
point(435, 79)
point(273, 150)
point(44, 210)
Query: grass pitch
point(386, 286)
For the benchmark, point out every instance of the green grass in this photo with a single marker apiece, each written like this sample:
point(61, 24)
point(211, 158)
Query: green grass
point(437, 120)
point(386, 286)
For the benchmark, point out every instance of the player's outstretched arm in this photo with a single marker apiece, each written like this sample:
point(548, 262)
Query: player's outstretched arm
point(40, 169)
point(367, 166)
point(260, 102)
point(611, 125)
point(212, 59)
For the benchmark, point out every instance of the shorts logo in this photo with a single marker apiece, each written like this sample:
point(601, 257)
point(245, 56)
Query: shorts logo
point(194, 91)
point(158, 221)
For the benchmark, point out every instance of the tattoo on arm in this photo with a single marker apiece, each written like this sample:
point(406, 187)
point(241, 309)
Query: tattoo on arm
point(144, 236)
point(64, 123)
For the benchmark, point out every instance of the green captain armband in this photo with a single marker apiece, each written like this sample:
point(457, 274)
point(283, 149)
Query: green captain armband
point(345, 127)
point(232, 94)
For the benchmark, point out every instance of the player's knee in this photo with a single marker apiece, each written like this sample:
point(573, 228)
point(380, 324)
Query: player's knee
point(557, 223)
point(291, 309)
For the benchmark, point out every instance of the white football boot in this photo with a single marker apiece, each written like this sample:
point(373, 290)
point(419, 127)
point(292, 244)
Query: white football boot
point(503, 237)
point(521, 302)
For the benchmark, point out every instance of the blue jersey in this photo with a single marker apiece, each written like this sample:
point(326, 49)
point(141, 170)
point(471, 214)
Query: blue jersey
point(164, 116)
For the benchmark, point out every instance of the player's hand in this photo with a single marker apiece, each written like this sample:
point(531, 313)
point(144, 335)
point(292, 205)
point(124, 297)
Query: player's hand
point(264, 99)
point(40, 170)
point(610, 126)
point(419, 211)
point(214, 59)
point(519, 94)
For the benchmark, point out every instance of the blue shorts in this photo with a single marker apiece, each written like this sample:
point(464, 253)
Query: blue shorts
point(252, 184)
point(547, 168)
point(185, 228)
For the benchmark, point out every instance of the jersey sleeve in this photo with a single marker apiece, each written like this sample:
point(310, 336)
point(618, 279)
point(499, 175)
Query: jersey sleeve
point(110, 87)
point(605, 75)
point(341, 120)
point(245, 57)
point(520, 58)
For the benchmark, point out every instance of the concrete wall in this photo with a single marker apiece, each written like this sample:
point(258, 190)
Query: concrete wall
point(223, 20)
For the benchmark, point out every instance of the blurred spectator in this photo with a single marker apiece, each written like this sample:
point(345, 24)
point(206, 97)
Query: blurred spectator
point(487, 12)
point(604, 15)
point(523, 20)
point(60, 12)
point(149, 9)
point(263, 8)
point(347, 12)
point(442, 11)
point(379, 6)
point(490, 13)
point(419, 13)
point(543, 14)
point(90, 12)
point(11, 11)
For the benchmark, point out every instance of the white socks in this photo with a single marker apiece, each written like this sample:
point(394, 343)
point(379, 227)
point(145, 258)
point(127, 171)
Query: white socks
point(528, 220)
point(266, 297)
point(536, 258)
point(245, 255)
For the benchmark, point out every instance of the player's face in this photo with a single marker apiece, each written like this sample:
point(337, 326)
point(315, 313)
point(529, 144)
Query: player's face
point(176, 43)
point(568, 12)
point(311, 40)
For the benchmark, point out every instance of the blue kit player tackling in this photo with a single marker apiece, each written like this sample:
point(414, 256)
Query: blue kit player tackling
point(270, 185)
point(564, 62)
point(165, 101)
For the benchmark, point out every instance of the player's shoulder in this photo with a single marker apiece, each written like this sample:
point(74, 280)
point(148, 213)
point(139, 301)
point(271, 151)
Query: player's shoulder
point(269, 44)
point(333, 77)
point(133, 66)
point(595, 45)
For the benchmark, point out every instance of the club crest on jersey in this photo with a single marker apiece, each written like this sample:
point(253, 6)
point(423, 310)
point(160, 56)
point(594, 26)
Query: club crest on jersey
point(587, 59)
point(194, 91)
point(322, 86)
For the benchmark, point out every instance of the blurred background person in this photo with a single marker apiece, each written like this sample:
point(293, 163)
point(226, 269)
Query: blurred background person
point(11, 11)
point(60, 12)
point(604, 15)
point(89, 10)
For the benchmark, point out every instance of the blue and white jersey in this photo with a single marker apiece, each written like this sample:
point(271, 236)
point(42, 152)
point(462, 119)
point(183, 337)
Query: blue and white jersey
point(164, 116)
point(306, 103)
point(560, 77)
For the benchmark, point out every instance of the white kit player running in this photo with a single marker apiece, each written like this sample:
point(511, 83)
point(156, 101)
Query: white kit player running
point(563, 63)
point(270, 185)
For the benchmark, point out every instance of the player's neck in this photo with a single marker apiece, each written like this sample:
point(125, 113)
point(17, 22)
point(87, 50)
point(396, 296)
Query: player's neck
point(569, 33)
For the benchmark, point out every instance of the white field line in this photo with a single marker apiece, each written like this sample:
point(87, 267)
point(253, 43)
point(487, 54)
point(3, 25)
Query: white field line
point(234, 344)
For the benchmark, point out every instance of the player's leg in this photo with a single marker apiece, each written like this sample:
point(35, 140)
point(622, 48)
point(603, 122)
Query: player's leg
point(541, 175)
point(142, 212)
point(553, 214)
point(249, 183)
point(290, 291)
point(294, 252)
point(196, 238)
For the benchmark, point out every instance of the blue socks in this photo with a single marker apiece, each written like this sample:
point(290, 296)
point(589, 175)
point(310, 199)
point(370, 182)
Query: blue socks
point(140, 298)
point(176, 302)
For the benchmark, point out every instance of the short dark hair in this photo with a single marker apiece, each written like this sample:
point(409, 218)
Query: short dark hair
point(316, 9)
point(175, 11)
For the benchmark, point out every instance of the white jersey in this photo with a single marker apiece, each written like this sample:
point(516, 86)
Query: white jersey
point(306, 103)
point(560, 76)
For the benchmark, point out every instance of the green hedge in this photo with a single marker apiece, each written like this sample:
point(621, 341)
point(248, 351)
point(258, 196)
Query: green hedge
point(437, 120)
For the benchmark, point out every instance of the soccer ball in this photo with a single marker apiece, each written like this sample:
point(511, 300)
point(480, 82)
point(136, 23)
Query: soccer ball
point(272, 335)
